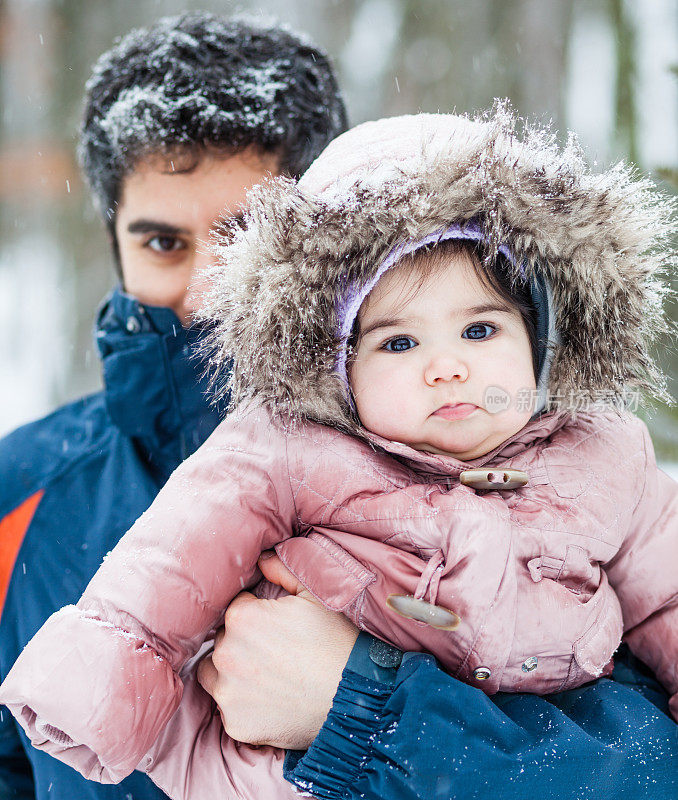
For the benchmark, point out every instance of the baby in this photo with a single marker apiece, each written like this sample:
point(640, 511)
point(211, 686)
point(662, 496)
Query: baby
point(422, 330)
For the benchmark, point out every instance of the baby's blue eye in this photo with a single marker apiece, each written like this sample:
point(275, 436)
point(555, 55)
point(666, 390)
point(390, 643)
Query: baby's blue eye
point(479, 330)
point(399, 344)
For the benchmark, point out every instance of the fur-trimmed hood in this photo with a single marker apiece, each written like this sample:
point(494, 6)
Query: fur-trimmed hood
point(601, 241)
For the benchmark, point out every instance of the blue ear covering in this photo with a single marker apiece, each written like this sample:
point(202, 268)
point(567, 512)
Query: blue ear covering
point(547, 336)
point(540, 302)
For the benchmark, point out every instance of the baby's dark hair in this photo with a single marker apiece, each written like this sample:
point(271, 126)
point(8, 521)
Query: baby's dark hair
point(197, 81)
point(496, 274)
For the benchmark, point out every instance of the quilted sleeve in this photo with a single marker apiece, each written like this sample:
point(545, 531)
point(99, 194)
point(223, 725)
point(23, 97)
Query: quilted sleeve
point(194, 758)
point(99, 681)
point(645, 574)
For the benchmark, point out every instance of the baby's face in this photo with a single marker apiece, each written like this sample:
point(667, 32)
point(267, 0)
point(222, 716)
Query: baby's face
point(431, 363)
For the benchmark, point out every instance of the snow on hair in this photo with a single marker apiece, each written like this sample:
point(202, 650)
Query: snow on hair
point(198, 80)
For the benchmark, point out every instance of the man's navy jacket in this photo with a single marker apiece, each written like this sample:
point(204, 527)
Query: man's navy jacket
point(71, 484)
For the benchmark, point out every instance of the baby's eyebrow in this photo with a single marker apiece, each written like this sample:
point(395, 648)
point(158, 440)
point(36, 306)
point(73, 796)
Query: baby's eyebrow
point(473, 311)
point(487, 308)
point(384, 322)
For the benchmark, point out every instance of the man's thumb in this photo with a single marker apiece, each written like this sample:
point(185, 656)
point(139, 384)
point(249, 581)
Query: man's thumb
point(276, 572)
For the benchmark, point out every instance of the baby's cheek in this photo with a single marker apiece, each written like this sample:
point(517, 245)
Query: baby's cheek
point(517, 380)
point(384, 406)
point(514, 418)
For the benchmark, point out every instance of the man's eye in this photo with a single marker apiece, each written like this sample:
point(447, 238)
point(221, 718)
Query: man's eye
point(479, 330)
point(165, 244)
point(399, 344)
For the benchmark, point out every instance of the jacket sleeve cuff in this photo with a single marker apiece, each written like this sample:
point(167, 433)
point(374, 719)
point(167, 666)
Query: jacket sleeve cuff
point(342, 746)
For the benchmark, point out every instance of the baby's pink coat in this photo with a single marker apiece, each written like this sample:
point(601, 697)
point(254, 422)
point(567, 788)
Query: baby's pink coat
point(556, 570)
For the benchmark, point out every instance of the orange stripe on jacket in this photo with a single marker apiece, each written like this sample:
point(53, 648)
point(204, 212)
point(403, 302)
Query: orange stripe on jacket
point(12, 531)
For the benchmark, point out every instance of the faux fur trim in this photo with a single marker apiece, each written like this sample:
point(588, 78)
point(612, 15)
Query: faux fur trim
point(601, 240)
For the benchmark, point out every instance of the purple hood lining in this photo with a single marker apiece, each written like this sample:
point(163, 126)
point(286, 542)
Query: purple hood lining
point(349, 305)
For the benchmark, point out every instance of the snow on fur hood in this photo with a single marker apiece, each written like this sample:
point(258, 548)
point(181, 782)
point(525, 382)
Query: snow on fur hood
point(602, 241)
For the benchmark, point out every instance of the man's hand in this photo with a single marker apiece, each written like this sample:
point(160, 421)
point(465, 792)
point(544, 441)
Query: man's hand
point(276, 664)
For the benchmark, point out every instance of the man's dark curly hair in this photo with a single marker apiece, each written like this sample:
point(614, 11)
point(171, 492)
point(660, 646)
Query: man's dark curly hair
point(198, 81)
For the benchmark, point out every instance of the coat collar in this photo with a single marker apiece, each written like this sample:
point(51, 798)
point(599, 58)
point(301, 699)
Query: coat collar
point(535, 431)
point(155, 389)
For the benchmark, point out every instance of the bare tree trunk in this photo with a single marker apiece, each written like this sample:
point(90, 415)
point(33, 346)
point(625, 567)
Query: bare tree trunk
point(624, 90)
point(533, 37)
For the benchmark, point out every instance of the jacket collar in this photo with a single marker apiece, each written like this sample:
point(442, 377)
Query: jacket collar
point(155, 389)
point(537, 430)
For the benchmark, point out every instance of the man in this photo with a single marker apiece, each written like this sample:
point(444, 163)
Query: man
point(180, 120)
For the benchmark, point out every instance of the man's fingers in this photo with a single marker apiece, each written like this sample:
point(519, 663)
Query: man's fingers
point(240, 601)
point(276, 572)
point(208, 678)
point(208, 675)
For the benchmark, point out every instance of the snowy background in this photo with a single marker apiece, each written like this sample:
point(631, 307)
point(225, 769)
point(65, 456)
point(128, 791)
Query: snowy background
point(605, 68)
